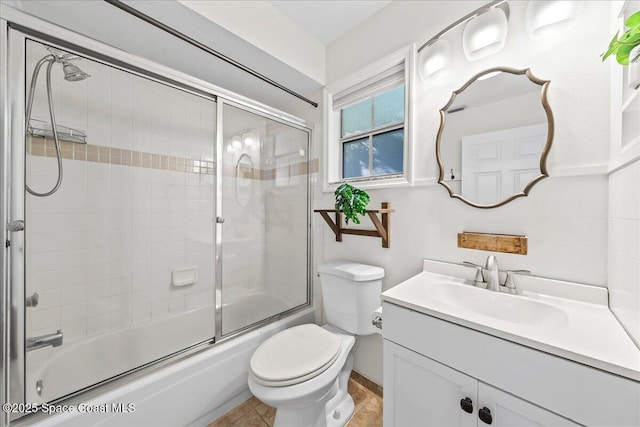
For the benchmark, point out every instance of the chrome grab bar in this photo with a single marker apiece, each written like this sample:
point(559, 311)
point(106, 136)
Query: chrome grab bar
point(53, 340)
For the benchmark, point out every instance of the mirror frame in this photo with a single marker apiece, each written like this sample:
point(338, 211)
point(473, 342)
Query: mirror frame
point(545, 152)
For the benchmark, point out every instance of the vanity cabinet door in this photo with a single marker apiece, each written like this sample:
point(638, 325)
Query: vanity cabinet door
point(421, 392)
point(506, 410)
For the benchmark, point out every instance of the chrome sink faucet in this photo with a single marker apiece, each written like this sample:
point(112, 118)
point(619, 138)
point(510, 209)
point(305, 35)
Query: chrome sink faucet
point(493, 278)
point(488, 277)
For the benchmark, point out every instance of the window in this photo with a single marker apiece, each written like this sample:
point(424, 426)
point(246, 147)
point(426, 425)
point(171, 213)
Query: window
point(372, 135)
point(368, 125)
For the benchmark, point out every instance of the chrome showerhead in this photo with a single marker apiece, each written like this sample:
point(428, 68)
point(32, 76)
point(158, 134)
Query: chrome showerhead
point(72, 73)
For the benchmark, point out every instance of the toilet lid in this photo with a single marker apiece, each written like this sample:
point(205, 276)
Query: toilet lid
point(294, 355)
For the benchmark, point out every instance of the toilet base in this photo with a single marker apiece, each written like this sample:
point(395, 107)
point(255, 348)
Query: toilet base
point(334, 409)
point(339, 408)
point(341, 413)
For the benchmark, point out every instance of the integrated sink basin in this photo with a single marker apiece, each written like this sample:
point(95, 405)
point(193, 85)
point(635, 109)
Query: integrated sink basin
point(566, 319)
point(505, 307)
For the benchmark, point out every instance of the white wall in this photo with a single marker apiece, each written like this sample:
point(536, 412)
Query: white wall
point(565, 216)
point(263, 25)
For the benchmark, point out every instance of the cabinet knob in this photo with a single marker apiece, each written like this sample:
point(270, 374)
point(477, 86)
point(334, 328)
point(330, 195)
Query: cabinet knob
point(467, 405)
point(485, 415)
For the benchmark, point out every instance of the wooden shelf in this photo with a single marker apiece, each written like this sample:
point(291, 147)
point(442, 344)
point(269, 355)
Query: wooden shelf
point(513, 244)
point(382, 225)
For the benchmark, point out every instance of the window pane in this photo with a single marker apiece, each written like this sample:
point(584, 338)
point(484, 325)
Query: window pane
point(356, 118)
point(355, 158)
point(388, 107)
point(387, 152)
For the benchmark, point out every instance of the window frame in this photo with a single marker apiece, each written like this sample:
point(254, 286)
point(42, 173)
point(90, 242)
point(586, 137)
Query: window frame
point(334, 142)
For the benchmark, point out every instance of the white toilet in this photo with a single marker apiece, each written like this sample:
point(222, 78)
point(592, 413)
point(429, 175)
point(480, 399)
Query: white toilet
point(303, 371)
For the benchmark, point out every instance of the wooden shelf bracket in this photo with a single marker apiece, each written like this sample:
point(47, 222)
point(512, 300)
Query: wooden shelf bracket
point(381, 224)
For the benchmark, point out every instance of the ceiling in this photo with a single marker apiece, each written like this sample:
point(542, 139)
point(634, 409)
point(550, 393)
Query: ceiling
point(327, 20)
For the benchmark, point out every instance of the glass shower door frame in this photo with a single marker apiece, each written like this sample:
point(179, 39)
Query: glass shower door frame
point(14, 210)
point(222, 102)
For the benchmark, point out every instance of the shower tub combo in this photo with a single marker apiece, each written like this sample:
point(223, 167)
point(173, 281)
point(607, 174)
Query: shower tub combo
point(133, 292)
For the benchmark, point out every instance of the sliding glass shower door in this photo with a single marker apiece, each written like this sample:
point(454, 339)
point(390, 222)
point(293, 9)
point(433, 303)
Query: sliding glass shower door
point(120, 259)
point(265, 209)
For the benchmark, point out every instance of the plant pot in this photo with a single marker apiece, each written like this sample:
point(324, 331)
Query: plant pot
point(634, 69)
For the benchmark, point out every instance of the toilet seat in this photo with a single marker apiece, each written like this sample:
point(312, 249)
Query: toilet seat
point(294, 355)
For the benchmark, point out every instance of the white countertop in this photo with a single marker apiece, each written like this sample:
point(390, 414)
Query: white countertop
point(591, 335)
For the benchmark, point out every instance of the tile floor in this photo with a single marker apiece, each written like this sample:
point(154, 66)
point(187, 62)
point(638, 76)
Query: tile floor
point(254, 413)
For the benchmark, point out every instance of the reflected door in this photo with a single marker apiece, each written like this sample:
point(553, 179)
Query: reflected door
point(264, 199)
point(496, 165)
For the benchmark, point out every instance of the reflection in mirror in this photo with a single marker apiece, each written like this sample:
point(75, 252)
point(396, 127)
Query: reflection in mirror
point(498, 132)
point(244, 180)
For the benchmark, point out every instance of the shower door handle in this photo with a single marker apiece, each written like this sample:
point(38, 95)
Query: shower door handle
point(220, 219)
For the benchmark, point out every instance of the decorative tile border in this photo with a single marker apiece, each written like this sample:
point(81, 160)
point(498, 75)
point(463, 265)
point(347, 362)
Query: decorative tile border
point(117, 156)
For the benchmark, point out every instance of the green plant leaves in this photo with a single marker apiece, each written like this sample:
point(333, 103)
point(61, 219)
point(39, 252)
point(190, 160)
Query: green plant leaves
point(633, 20)
point(351, 201)
point(623, 45)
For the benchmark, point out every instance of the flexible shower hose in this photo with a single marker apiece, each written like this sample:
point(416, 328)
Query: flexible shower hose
point(52, 115)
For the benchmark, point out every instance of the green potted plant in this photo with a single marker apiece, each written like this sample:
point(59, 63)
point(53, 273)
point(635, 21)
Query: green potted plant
point(625, 47)
point(351, 201)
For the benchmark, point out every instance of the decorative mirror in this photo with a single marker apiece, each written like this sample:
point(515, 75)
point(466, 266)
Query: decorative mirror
point(499, 129)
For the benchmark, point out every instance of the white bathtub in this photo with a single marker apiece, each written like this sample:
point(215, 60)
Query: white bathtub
point(76, 365)
point(191, 392)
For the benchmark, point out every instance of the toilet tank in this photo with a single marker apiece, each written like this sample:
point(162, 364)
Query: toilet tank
point(350, 294)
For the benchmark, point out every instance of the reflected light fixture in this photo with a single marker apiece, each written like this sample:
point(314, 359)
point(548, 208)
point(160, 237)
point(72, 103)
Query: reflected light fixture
point(434, 59)
point(236, 143)
point(544, 18)
point(249, 139)
point(485, 34)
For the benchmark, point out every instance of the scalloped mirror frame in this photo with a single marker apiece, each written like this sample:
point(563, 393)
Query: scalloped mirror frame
point(545, 152)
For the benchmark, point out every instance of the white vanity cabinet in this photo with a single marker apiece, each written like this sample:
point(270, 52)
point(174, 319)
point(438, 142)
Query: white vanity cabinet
point(422, 392)
point(432, 363)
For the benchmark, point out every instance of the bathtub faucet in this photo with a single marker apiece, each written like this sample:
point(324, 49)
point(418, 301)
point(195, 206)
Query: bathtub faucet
point(53, 340)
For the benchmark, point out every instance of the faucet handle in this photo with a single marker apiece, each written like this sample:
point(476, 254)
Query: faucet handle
point(479, 279)
point(509, 284)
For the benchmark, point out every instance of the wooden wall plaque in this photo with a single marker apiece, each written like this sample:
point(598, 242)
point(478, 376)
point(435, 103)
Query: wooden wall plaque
point(508, 243)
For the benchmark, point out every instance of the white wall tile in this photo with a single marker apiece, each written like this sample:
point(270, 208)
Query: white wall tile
point(97, 324)
point(120, 319)
point(159, 309)
point(624, 247)
point(74, 331)
point(141, 313)
point(98, 306)
point(73, 294)
point(74, 312)
point(47, 318)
